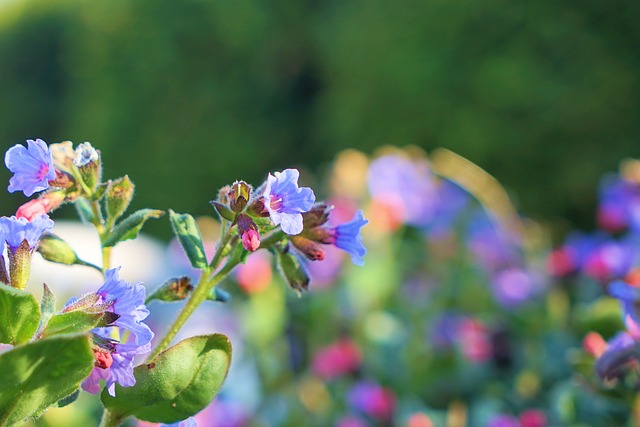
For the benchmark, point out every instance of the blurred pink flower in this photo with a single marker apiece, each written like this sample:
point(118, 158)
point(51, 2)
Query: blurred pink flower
point(337, 359)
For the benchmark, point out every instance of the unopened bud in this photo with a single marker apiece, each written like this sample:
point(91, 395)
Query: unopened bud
point(258, 208)
point(82, 304)
point(293, 271)
point(309, 248)
point(87, 160)
point(119, 195)
point(248, 231)
point(54, 249)
point(63, 180)
point(63, 155)
point(42, 205)
point(239, 195)
point(175, 289)
point(103, 359)
point(222, 195)
point(317, 216)
point(20, 265)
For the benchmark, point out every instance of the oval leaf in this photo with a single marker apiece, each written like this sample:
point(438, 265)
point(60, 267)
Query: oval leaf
point(72, 322)
point(130, 226)
point(39, 374)
point(19, 315)
point(188, 234)
point(177, 384)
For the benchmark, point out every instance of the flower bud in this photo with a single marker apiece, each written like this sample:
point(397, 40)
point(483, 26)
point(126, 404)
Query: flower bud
point(309, 248)
point(175, 289)
point(248, 231)
point(222, 195)
point(87, 160)
point(54, 249)
point(258, 208)
point(63, 180)
point(42, 205)
point(20, 265)
point(104, 360)
point(62, 154)
point(239, 195)
point(119, 195)
point(293, 271)
point(317, 216)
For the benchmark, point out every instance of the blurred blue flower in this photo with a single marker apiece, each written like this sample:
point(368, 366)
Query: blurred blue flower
point(621, 350)
point(347, 237)
point(32, 167)
point(189, 422)
point(406, 184)
point(17, 230)
point(513, 286)
point(619, 205)
point(286, 202)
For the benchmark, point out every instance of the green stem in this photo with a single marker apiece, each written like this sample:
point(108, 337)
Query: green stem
point(106, 259)
point(109, 419)
point(226, 235)
point(203, 289)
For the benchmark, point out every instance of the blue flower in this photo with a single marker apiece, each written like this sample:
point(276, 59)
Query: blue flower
point(407, 185)
point(17, 230)
point(621, 350)
point(286, 202)
point(32, 167)
point(347, 237)
point(629, 296)
point(189, 422)
point(127, 301)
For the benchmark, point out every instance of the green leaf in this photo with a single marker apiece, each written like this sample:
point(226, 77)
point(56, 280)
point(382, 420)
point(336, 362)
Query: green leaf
point(47, 307)
point(39, 374)
point(130, 226)
point(188, 234)
point(293, 271)
point(72, 322)
point(19, 315)
point(177, 384)
point(69, 399)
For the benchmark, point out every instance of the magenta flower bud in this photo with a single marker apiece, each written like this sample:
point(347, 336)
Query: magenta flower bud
point(248, 231)
point(32, 167)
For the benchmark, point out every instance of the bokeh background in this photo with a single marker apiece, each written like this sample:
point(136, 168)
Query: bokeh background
point(186, 96)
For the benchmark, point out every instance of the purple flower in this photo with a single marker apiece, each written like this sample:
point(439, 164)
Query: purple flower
point(32, 167)
point(119, 371)
point(629, 296)
point(621, 350)
point(513, 286)
point(127, 301)
point(17, 230)
point(372, 399)
point(286, 202)
point(405, 184)
point(189, 422)
point(347, 237)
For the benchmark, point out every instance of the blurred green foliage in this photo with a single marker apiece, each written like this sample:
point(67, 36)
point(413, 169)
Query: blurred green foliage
point(185, 96)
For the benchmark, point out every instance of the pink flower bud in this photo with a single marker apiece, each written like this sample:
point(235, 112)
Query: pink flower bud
point(251, 240)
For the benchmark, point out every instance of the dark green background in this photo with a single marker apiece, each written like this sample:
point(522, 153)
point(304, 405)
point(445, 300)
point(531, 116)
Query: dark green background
point(185, 96)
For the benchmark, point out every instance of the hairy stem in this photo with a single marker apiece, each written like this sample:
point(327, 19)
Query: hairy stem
point(109, 419)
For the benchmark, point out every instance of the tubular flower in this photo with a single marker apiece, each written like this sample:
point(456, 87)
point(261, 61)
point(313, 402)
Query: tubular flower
point(127, 302)
point(17, 230)
point(286, 202)
point(32, 167)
